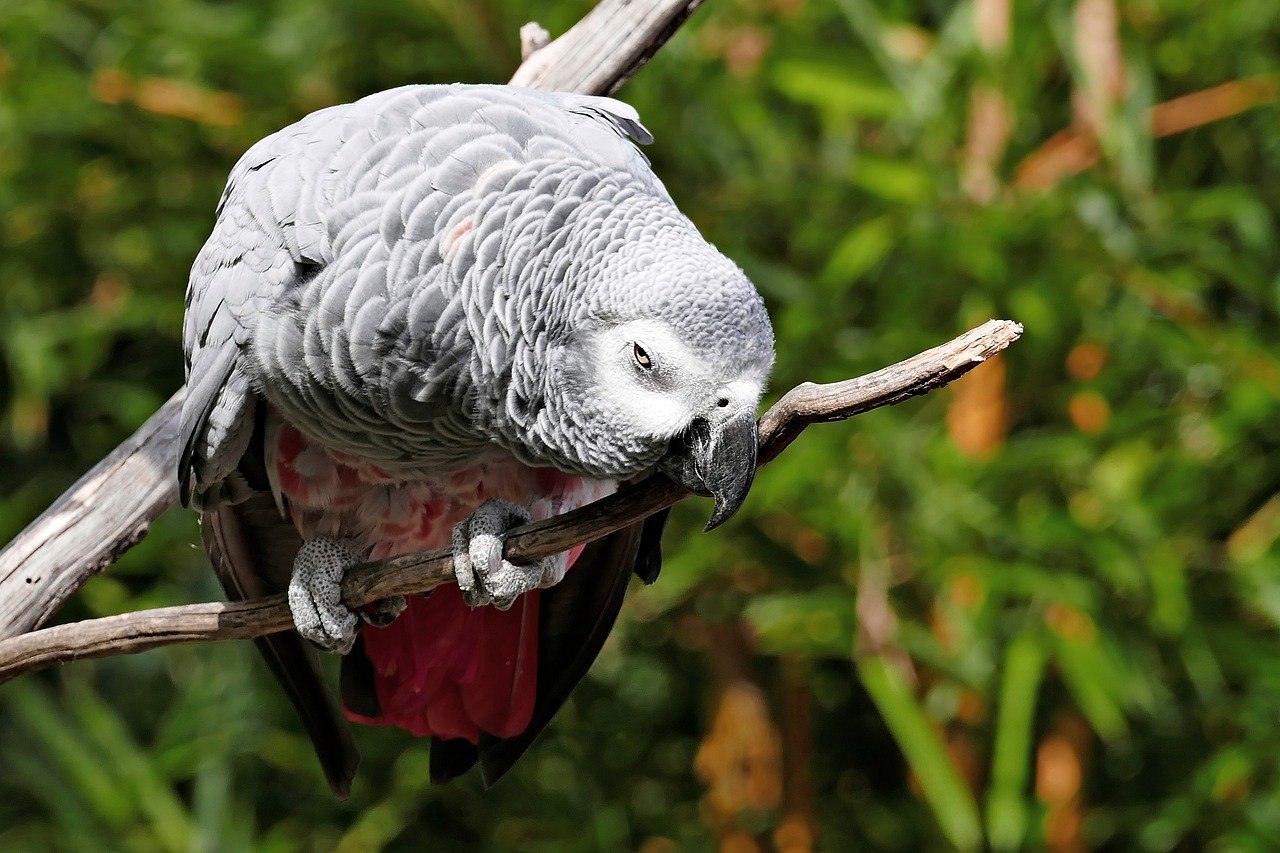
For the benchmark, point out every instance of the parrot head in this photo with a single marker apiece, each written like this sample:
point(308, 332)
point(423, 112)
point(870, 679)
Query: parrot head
point(667, 367)
point(692, 405)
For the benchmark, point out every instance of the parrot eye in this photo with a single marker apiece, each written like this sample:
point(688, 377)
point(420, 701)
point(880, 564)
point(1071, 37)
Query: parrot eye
point(641, 357)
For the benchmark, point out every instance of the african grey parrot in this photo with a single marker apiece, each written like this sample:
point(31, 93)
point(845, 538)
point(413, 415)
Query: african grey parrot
point(421, 319)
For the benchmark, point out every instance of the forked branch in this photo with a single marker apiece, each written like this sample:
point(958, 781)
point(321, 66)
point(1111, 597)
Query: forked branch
point(803, 405)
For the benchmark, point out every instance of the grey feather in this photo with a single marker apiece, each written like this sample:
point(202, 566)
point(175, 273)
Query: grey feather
point(417, 279)
point(412, 203)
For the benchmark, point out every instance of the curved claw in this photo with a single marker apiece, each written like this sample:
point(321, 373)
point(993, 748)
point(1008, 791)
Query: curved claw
point(382, 613)
point(483, 575)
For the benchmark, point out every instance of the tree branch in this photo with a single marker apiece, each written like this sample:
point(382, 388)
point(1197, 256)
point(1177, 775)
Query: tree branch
point(110, 509)
point(601, 52)
point(104, 514)
point(417, 573)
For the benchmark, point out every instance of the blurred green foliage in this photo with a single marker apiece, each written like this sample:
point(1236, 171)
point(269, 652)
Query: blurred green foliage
point(1037, 608)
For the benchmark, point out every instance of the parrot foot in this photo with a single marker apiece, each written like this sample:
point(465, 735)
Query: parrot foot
point(315, 595)
point(483, 576)
point(380, 614)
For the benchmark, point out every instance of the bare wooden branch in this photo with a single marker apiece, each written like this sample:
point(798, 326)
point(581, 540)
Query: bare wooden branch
point(533, 38)
point(416, 573)
point(810, 404)
point(104, 514)
point(111, 508)
point(601, 52)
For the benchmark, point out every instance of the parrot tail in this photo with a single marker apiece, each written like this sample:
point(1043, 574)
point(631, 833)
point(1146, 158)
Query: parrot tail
point(484, 683)
point(446, 670)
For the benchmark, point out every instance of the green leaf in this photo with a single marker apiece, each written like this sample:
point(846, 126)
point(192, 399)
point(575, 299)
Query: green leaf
point(1095, 684)
point(834, 89)
point(860, 250)
point(946, 793)
point(92, 776)
point(1024, 664)
point(893, 180)
point(138, 774)
point(819, 623)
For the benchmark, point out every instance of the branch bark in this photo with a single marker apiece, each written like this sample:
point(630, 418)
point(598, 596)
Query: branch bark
point(104, 514)
point(112, 507)
point(803, 405)
point(601, 52)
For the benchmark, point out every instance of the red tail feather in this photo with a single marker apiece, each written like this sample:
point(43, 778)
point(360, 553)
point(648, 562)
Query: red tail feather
point(444, 669)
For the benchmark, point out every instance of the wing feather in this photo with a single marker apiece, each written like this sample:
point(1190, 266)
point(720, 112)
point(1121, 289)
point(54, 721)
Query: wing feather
point(577, 616)
point(248, 543)
point(252, 548)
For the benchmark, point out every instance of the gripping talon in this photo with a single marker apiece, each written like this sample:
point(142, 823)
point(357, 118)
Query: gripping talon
point(462, 572)
point(482, 574)
point(315, 595)
point(380, 614)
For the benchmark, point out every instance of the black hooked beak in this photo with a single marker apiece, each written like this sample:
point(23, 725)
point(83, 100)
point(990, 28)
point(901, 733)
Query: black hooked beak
point(716, 457)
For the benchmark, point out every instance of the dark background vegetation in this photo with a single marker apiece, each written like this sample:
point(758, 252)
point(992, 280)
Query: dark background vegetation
point(1037, 609)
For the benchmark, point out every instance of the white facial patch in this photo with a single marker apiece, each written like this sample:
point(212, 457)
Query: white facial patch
point(679, 386)
point(659, 414)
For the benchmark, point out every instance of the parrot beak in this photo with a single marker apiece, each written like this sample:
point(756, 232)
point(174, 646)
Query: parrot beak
point(716, 458)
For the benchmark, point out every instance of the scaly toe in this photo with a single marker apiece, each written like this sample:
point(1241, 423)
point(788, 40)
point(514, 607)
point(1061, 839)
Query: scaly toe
point(510, 581)
point(551, 570)
point(483, 576)
point(315, 595)
point(472, 593)
point(380, 614)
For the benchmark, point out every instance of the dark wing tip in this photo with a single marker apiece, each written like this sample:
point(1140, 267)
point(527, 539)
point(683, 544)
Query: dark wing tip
point(621, 116)
point(451, 758)
point(340, 772)
point(356, 682)
point(649, 554)
point(578, 614)
point(242, 553)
